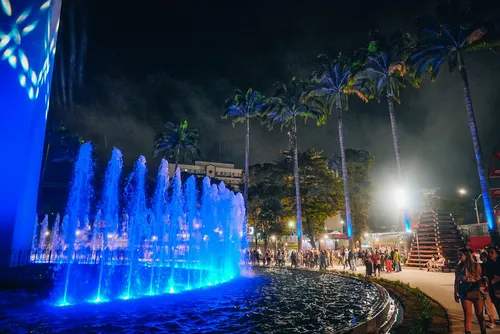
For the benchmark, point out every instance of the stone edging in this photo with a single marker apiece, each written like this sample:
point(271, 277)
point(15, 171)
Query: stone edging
point(448, 318)
point(382, 316)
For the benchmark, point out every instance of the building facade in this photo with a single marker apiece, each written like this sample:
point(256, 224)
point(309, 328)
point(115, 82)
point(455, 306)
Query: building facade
point(221, 171)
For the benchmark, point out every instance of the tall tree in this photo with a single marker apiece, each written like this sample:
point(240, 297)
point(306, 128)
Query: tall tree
point(177, 141)
point(265, 210)
point(359, 164)
point(286, 105)
point(335, 82)
point(447, 39)
point(241, 108)
point(385, 71)
point(321, 192)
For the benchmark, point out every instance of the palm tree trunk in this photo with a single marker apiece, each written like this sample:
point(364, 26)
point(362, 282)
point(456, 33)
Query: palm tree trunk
point(395, 139)
point(394, 130)
point(477, 150)
point(297, 183)
point(177, 156)
point(345, 178)
point(45, 160)
point(247, 172)
point(247, 155)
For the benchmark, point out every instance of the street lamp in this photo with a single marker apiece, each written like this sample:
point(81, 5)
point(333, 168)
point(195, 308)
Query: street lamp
point(462, 192)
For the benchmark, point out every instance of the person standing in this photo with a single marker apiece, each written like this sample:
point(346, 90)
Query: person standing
point(388, 262)
point(493, 275)
point(352, 263)
point(488, 304)
point(397, 263)
point(468, 275)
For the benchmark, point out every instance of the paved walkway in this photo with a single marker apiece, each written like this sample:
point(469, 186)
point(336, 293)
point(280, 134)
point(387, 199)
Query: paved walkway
point(437, 285)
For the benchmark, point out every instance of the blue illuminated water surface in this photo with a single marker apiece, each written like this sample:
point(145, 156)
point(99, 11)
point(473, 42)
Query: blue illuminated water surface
point(274, 300)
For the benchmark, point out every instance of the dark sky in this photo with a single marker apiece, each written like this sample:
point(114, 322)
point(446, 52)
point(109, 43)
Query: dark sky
point(149, 62)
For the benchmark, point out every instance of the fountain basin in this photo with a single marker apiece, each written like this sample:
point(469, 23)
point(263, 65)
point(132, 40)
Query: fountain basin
point(274, 300)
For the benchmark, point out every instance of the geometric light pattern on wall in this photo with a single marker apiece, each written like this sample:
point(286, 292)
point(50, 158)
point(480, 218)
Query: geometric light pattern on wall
point(21, 24)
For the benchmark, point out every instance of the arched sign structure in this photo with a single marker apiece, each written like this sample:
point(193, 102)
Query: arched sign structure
point(28, 33)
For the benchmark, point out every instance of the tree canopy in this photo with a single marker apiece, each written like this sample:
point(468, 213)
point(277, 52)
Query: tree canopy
point(176, 142)
point(272, 194)
point(359, 163)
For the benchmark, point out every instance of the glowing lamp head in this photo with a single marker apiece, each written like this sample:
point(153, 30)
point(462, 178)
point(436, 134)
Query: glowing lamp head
point(401, 197)
point(47, 233)
point(77, 232)
point(462, 191)
point(291, 224)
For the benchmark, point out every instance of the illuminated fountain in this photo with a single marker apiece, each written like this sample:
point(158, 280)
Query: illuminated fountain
point(173, 242)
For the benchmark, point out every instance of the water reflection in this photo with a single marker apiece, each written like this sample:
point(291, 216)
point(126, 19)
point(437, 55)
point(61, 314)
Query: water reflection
point(273, 301)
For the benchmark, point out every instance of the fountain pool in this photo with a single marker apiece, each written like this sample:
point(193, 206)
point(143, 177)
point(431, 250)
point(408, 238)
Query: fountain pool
point(274, 300)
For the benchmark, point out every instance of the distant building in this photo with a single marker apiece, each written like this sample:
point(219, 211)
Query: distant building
point(221, 171)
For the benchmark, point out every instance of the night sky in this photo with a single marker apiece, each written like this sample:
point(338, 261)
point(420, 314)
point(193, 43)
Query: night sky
point(149, 62)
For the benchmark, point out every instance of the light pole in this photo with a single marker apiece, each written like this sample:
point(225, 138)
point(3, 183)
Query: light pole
point(418, 251)
point(463, 192)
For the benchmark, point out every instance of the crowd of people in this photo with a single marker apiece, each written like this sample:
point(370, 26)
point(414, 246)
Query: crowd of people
point(375, 261)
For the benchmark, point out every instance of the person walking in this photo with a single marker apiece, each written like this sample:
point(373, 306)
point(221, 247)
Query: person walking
point(493, 275)
point(388, 262)
point(488, 304)
point(397, 261)
point(468, 275)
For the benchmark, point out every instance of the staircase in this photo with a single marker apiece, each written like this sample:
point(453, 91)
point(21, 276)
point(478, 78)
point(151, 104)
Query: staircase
point(437, 233)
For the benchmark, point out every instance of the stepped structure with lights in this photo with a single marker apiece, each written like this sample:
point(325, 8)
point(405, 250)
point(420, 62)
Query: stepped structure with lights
point(435, 233)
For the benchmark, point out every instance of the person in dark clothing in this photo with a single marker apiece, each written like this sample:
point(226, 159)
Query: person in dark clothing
point(368, 264)
point(488, 304)
point(492, 267)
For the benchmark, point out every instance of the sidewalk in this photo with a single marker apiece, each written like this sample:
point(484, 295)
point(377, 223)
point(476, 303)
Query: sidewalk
point(437, 285)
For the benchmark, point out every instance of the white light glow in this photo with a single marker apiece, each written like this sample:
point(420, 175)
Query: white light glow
point(401, 197)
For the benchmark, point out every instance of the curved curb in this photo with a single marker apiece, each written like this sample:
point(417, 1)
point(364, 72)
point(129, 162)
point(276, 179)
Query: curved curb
point(380, 320)
point(448, 318)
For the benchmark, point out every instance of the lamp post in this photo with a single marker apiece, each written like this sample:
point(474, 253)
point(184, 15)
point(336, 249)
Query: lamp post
point(418, 251)
point(463, 192)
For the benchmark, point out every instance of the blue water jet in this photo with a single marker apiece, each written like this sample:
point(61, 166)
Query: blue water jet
point(78, 205)
point(177, 240)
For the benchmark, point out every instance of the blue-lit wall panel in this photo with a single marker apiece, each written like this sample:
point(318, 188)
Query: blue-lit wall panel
point(28, 32)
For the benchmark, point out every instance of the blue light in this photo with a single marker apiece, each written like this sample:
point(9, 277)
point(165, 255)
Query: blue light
point(28, 31)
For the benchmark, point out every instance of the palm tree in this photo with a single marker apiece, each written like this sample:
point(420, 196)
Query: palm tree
point(440, 43)
point(243, 107)
point(286, 105)
point(335, 83)
point(176, 142)
point(61, 146)
point(385, 71)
